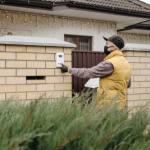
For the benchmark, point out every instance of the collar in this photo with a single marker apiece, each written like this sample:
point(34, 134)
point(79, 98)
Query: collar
point(113, 54)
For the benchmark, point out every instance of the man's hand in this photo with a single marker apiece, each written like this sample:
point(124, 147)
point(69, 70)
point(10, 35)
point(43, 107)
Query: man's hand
point(64, 69)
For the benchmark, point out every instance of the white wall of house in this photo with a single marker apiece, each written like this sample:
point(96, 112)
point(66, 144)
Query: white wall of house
point(135, 38)
point(18, 28)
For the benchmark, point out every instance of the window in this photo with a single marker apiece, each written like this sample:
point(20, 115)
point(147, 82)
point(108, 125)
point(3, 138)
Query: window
point(83, 43)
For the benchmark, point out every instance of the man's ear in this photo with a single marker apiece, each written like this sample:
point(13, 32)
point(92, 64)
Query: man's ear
point(114, 47)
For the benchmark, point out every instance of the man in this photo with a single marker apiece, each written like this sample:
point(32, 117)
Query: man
point(114, 72)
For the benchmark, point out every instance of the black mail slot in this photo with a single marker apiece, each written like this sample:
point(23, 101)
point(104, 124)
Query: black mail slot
point(35, 77)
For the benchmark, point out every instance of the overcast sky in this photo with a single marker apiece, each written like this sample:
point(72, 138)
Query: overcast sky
point(146, 1)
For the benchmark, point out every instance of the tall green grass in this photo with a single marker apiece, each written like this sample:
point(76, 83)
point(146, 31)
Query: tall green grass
point(72, 124)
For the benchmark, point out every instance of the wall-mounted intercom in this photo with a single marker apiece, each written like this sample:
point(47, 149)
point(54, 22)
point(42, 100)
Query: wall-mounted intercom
point(59, 59)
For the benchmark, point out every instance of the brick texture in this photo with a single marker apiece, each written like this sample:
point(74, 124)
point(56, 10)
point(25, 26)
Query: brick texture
point(15, 64)
point(148, 66)
point(2, 80)
point(144, 59)
point(129, 91)
point(36, 95)
point(2, 64)
point(135, 84)
point(147, 54)
point(55, 94)
point(15, 48)
point(19, 61)
point(35, 64)
point(67, 50)
point(147, 78)
point(26, 88)
point(15, 80)
point(145, 96)
point(148, 90)
point(131, 65)
point(133, 97)
point(145, 84)
point(136, 53)
point(135, 72)
point(59, 73)
point(68, 64)
point(25, 56)
point(45, 56)
point(36, 49)
point(50, 64)
point(67, 57)
point(54, 79)
point(2, 48)
point(53, 49)
point(139, 65)
point(139, 78)
point(45, 87)
point(22, 61)
point(26, 72)
point(7, 56)
point(7, 72)
point(7, 88)
point(2, 97)
point(140, 103)
point(67, 79)
point(16, 95)
point(45, 72)
point(35, 81)
point(63, 86)
point(139, 92)
point(133, 59)
point(127, 53)
point(145, 72)
point(130, 104)
point(68, 93)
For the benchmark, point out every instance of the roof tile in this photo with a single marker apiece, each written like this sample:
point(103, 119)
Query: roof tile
point(135, 5)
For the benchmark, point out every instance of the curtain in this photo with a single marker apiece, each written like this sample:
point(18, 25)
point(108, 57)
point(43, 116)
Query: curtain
point(84, 44)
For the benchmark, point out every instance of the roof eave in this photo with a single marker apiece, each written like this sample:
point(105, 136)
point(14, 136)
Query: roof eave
point(48, 5)
point(25, 3)
point(112, 10)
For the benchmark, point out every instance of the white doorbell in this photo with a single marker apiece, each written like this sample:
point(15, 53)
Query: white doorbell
point(59, 59)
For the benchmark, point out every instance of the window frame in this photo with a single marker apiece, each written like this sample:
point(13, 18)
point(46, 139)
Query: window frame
point(77, 40)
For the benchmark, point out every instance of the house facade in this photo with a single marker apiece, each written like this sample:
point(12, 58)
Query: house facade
point(83, 23)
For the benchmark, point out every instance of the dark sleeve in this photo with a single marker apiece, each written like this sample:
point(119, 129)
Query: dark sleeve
point(129, 83)
point(103, 69)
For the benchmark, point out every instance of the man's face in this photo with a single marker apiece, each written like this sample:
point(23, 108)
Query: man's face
point(108, 43)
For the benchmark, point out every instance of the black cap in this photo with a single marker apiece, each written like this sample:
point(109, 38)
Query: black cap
point(117, 40)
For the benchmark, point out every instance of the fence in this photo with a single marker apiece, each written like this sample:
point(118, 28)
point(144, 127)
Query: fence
point(84, 59)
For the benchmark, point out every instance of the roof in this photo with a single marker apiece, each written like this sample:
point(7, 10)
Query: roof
point(134, 5)
point(34, 41)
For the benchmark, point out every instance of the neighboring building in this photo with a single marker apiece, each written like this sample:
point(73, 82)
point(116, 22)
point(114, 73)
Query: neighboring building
point(83, 22)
